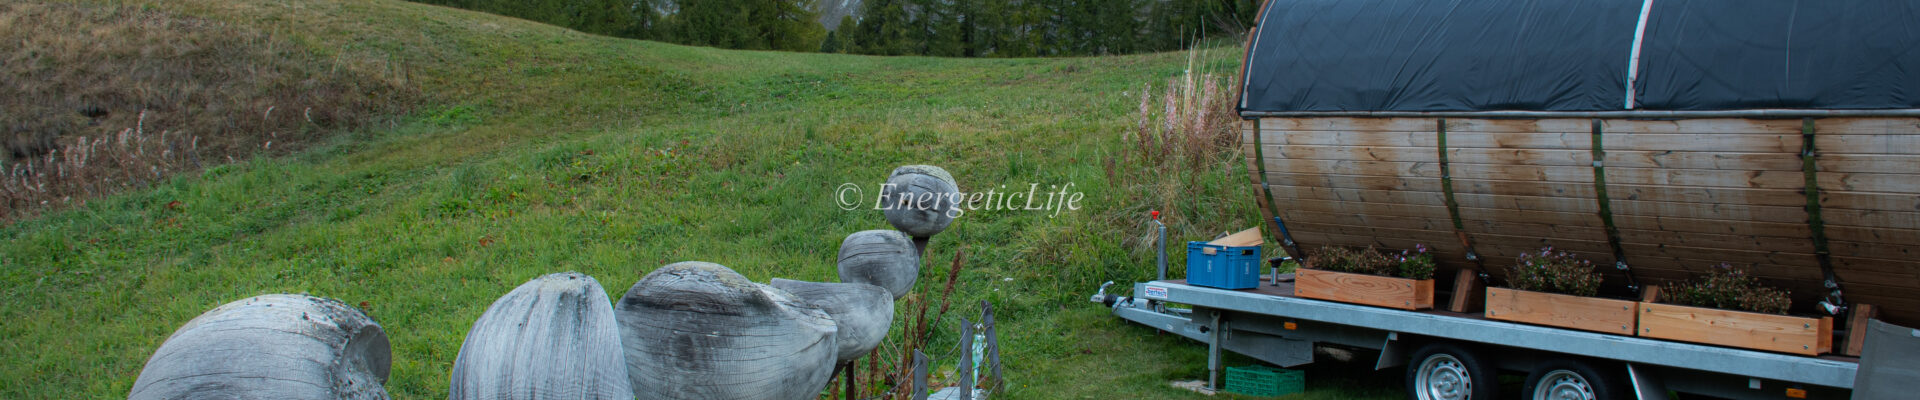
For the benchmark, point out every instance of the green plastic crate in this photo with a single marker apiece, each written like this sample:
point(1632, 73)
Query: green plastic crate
point(1261, 380)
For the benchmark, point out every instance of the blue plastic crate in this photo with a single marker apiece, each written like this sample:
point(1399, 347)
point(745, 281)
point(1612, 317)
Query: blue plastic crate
point(1225, 267)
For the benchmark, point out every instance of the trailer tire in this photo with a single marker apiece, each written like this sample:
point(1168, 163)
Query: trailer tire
point(1573, 379)
point(1450, 371)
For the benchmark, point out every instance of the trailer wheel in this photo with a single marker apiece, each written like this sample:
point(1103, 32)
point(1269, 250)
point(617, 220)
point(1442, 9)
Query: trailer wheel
point(1572, 379)
point(1449, 371)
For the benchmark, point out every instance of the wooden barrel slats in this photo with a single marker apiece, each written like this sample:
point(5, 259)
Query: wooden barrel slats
point(1870, 202)
point(1683, 194)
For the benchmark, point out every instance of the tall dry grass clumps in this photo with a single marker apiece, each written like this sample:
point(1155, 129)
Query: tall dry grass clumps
point(97, 98)
point(1184, 140)
point(1192, 122)
point(84, 167)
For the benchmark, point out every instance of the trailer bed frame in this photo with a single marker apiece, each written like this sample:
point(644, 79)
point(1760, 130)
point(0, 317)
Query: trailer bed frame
point(1268, 317)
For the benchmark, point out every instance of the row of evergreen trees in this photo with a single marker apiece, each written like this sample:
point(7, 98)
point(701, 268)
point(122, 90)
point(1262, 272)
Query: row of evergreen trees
point(950, 28)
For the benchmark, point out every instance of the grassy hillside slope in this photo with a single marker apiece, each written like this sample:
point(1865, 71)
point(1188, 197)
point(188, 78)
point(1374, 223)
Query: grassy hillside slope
point(101, 99)
point(550, 150)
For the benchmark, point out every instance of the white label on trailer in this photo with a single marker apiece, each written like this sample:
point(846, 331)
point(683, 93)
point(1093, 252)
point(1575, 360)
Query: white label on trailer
point(1156, 292)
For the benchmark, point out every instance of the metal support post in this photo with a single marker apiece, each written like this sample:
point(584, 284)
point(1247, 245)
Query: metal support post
point(1213, 352)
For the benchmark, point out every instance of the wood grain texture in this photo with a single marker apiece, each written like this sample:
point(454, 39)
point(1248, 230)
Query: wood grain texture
point(1867, 144)
point(1888, 219)
point(1837, 126)
point(1869, 163)
point(1768, 332)
point(1702, 126)
point(1559, 310)
point(1245, 237)
point(1466, 292)
point(1696, 225)
point(553, 337)
point(1557, 157)
point(1417, 187)
point(1787, 141)
point(1871, 206)
point(1867, 126)
point(1684, 193)
point(883, 258)
point(1249, 133)
point(1717, 240)
point(696, 330)
point(1835, 199)
point(1381, 291)
point(920, 199)
point(1857, 328)
point(861, 312)
point(276, 346)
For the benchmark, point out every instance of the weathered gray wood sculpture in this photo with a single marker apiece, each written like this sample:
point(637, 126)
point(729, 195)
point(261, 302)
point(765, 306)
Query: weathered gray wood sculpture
point(881, 258)
point(276, 346)
point(552, 337)
point(697, 330)
point(920, 199)
point(863, 312)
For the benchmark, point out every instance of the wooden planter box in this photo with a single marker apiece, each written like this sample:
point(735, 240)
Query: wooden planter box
point(1373, 290)
point(1769, 332)
point(1560, 310)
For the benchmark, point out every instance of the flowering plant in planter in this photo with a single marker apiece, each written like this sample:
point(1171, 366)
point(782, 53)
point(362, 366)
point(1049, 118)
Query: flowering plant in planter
point(1730, 288)
point(1556, 288)
point(1416, 264)
point(1554, 271)
point(1368, 276)
point(1729, 307)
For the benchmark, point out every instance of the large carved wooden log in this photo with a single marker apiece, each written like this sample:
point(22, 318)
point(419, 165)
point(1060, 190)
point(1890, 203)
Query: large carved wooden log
point(881, 258)
point(276, 346)
point(863, 312)
point(552, 337)
point(920, 199)
point(699, 331)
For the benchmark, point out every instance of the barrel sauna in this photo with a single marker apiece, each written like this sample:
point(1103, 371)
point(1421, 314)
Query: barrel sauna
point(1663, 137)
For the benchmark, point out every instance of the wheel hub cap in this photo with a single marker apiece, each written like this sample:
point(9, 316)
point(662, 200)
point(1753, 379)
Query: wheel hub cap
point(1563, 385)
point(1443, 377)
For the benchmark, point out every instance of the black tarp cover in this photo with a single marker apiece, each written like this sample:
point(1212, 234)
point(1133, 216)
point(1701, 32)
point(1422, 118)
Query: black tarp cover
point(1574, 55)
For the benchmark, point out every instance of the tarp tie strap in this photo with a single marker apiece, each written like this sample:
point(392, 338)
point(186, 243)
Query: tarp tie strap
point(1835, 302)
point(1280, 227)
point(1453, 206)
point(1606, 209)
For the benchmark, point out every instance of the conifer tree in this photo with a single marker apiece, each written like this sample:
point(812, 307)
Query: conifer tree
point(883, 28)
point(844, 34)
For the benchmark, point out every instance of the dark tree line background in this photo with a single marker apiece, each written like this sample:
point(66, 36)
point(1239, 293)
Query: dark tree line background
point(947, 28)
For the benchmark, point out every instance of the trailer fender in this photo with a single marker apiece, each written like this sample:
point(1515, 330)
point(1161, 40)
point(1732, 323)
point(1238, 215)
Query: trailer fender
point(1646, 386)
point(1393, 352)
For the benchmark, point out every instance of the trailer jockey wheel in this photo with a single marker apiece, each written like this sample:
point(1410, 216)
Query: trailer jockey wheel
point(1449, 371)
point(1573, 379)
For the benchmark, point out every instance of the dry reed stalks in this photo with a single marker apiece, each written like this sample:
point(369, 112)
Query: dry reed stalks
point(1191, 122)
point(85, 167)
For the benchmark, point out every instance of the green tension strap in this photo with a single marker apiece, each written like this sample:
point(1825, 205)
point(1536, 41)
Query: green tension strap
point(1453, 206)
point(1280, 227)
point(1606, 208)
point(1815, 223)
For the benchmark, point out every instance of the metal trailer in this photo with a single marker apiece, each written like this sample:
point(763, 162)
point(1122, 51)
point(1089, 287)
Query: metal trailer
point(1459, 356)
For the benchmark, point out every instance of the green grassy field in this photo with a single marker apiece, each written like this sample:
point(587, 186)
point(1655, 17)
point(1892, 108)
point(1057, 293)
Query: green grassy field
point(547, 150)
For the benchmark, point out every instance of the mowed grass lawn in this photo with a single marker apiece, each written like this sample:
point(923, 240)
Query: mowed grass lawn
point(547, 150)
